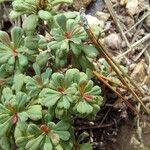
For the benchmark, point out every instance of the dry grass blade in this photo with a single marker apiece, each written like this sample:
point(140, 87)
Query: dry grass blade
point(142, 40)
point(119, 95)
point(124, 78)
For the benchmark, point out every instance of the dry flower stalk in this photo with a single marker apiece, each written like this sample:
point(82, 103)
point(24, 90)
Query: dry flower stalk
point(124, 78)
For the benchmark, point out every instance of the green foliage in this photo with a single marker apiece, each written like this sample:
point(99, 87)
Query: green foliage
point(69, 37)
point(72, 93)
point(47, 136)
point(36, 10)
point(14, 109)
point(16, 53)
point(35, 84)
point(39, 94)
point(105, 69)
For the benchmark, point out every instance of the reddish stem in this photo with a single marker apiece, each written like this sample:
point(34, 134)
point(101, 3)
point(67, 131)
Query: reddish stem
point(88, 98)
point(44, 128)
point(14, 118)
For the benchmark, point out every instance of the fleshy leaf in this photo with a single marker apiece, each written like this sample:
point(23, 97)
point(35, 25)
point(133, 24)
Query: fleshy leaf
point(18, 82)
point(5, 39)
point(30, 23)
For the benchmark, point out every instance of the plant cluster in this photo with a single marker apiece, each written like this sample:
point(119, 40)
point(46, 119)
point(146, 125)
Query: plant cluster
point(38, 99)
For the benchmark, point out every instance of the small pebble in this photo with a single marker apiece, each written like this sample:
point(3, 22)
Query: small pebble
point(113, 41)
point(102, 16)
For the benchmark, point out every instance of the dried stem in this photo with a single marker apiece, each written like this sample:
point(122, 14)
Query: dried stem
point(103, 51)
point(119, 95)
point(140, 54)
point(144, 16)
point(145, 38)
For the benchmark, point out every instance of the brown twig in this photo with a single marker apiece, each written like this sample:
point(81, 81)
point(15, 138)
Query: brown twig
point(124, 78)
point(119, 95)
point(109, 80)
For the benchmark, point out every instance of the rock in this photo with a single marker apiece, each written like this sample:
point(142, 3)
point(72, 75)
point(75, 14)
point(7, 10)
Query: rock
point(136, 6)
point(77, 4)
point(132, 7)
point(129, 21)
point(113, 41)
point(123, 2)
point(102, 16)
point(139, 72)
point(94, 21)
point(108, 25)
point(123, 44)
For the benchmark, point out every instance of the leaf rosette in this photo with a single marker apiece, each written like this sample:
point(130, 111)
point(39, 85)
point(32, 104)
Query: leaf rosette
point(14, 108)
point(69, 37)
point(14, 54)
point(72, 93)
point(35, 84)
point(47, 136)
point(60, 93)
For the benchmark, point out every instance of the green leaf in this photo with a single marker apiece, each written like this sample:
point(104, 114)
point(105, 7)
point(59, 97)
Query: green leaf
point(5, 143)
point(23, 60)
point(85, 63)
point(89, 86)
point(86, 146)
point(4, 38)
point(35, 112)
point(7, 94)
point(51, 100)
point(11, 60)
point(90, 51)
point(64, 103)
point(84, 108)
point(46, 75)
point(70, 24)
point(21, 99)
point(61, 20)
point(5, 126)
point(33, 144)
point(42, 59)
point(30, 23)
point(33, 129)
point(17, 36)
point(58, 147)
point(22, 6)
point(5, 58)
point(31, 42)
point(76, 49)
point(62, 126)
point(14, 14)
point(18, 82)
point(48, 144)
point(4, 116)
point(37, 68)
point(45, 15)
point(64, 135)
point(83, 136)
point(23, 116)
